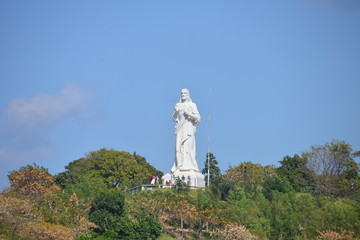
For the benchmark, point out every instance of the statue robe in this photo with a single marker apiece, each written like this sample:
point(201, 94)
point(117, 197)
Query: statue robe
point(185, 130)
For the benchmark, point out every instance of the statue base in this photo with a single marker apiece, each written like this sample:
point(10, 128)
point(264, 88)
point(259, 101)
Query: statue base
point(197, 180)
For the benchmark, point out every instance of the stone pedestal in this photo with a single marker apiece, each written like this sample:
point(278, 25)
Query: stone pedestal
point(196, 178)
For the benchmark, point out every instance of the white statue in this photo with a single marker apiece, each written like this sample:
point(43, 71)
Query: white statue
point(187, 119)
point(185, 167)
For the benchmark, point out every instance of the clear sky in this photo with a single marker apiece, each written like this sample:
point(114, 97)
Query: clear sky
point(275, 77)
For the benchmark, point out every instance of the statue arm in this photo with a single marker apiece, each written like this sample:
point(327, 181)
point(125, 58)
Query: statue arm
point(194, 114)
point(175, 114)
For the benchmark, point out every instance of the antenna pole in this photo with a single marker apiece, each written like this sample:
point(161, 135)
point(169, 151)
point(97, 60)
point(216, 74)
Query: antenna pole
point(209, 140)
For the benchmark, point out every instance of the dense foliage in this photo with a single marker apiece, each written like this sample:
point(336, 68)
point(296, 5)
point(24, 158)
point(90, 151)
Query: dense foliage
point(334, 169)
point(211, 168)
point(114, 168)
point(108, 213)
point(36, 208)
point(314, 195)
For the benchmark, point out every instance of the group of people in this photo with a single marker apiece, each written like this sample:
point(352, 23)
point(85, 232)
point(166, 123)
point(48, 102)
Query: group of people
point(168, 183)
point(155, 179)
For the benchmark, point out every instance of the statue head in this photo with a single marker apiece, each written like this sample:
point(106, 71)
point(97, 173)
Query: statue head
point(185, 95)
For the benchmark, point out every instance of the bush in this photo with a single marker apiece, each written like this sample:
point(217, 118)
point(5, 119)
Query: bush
point(235, 232)
point(329, 235)
point(108, 213)
point(107, 209)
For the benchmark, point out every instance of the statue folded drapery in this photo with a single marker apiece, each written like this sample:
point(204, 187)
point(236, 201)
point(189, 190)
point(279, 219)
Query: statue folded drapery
point(187, 119)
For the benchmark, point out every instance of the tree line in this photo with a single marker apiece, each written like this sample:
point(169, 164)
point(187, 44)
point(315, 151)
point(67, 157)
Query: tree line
point(313, 195)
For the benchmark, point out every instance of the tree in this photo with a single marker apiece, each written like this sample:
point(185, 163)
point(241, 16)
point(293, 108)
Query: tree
point(336, 172)
point(181, 186)
point(221, 187)
point(233, 231)
point(213, 169)
point(33, 181)
point(152, 170)
point(108, 213)
point(276, 184)
point(249, 173)
point(115, 168)
point(107, 209)
point(330, 235)
point(14, 213)
point(37, 208)
point(295, 170)
point(85, 188)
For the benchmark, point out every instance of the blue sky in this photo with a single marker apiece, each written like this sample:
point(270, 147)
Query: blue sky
point(275, 77)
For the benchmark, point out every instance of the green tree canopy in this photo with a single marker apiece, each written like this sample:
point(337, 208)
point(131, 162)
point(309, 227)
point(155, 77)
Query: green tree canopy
point(213, 169)
point(336, 172)
point(295, 170)
point(115, 168)
point(249, 173)
point(107, 210)
point(108, 213)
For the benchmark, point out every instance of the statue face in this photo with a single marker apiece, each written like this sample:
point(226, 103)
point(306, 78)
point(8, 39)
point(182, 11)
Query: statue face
point(184, 94)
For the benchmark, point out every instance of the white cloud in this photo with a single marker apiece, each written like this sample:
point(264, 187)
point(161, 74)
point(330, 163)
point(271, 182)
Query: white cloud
point(46, 108)
point(26, 123)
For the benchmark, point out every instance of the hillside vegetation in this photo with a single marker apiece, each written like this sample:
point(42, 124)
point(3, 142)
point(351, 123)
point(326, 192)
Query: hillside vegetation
point(314, 195)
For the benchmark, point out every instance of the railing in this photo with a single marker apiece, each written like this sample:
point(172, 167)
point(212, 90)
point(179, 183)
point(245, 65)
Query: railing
point(152, 186)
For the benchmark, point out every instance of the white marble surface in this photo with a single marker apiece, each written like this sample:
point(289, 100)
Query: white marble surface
point(187, 118)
